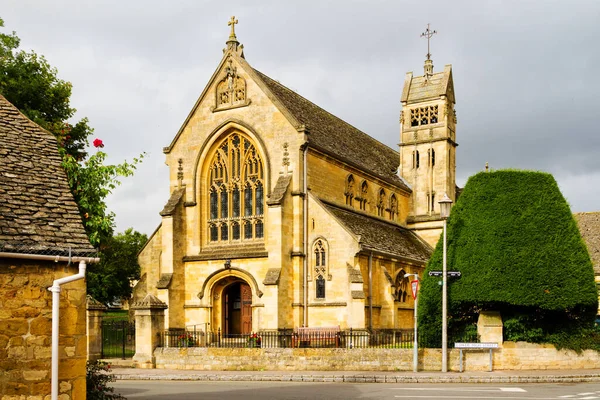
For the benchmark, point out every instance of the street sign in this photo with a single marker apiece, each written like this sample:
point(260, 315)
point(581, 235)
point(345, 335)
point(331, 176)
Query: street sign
point(452, 274)
point(414, 285)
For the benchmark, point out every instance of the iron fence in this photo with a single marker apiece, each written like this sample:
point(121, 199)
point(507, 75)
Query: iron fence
point(289, 338)
point(118, 339)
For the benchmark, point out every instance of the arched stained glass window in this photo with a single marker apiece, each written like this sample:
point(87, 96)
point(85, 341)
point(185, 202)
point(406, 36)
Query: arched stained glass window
point(236, 191)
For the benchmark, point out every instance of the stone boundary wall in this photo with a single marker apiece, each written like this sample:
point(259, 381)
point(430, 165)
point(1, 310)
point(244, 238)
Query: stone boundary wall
point(512, 356)
point(26, 331)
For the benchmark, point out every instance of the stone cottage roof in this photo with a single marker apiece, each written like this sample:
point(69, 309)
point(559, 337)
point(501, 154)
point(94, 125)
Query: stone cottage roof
point(330, 134)
point(384, 236)
point(589, 226)
point(38, 214)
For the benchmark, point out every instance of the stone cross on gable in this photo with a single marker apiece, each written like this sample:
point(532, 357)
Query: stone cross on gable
point(428, 34)
point(232, 23)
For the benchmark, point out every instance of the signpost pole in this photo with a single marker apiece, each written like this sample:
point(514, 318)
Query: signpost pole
point(444, 308)
point(415, 288)
point(415, 344)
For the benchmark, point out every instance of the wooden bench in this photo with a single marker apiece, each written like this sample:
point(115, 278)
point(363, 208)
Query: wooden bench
point(475, 346)
point(323, 335)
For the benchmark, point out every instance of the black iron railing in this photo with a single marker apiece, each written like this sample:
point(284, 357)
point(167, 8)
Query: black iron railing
point(118, 339)
point(289, 338)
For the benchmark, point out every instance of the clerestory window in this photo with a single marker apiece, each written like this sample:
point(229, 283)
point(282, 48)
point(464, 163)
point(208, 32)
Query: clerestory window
point(349, 191)
point(236, 191)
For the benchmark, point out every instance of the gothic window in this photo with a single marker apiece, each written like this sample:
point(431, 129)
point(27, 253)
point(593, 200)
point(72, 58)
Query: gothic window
point(320, 287)
point(431, 157)
point(381, 203)
point(349, 192)
point(364, 195)
point(416, 160)
point(236, 191)
point(320, 267)
point(424, 116)
point(393, 207)
point(430, 201)
point(402, 286)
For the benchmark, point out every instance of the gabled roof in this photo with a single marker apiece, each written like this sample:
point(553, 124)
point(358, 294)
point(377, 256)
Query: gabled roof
point(589, 227)
point(330, 134)
point(380, 235)
point(417, 89)
point(38, 214)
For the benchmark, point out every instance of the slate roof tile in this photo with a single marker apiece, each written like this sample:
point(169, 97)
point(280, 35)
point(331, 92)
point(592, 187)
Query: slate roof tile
point(380, 235)
point(38, 213)
point(337, 137)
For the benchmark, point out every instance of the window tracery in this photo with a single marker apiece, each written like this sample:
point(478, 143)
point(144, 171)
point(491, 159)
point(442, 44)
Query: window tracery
point(321, 269)
point(236, 191)
point(401, 286)
point(423, 116)
point(364, 195)
point(349, 191)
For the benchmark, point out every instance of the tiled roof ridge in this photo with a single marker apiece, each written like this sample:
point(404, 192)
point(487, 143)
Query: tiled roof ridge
point(12, 109)
point(366, 135)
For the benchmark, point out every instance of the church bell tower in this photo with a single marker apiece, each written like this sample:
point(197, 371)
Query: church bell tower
point(428, 143)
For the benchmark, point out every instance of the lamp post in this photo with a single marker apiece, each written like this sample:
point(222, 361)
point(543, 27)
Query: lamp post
point(415, 343)
point(445, 204)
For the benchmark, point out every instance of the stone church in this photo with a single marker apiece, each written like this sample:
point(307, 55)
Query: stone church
point(282, 215)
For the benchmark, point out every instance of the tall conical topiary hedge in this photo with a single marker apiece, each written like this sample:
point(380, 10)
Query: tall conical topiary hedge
point(512, 236)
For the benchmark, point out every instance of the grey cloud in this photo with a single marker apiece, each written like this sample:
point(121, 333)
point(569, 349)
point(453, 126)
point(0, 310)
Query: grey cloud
point(524, 74)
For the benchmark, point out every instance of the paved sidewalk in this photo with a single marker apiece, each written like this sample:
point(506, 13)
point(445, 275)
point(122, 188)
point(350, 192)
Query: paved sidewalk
point(537, 376)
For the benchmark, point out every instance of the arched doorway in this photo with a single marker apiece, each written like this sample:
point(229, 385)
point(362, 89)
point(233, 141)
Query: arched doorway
point(237, 309)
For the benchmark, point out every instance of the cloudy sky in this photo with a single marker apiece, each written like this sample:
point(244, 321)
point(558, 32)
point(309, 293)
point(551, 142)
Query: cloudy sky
point(525, 75)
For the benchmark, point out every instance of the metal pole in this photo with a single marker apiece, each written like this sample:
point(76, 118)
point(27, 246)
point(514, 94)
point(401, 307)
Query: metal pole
point(444, 309)
point(415, 336)
point(415, 344)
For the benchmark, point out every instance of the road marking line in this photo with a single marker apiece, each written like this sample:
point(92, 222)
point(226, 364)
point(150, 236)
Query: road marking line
point(585, 394)
point(589, 397)
point(478, 397)
point(484, 389)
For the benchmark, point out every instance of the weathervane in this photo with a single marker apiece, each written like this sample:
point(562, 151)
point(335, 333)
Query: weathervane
point(428, 34)
point(428, 63)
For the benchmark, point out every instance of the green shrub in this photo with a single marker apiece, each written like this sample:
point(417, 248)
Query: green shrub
point(514, 239)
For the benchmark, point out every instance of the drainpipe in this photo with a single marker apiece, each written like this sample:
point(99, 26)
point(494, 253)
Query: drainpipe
point(371, 291)
point(55, 289)
point(305, 233)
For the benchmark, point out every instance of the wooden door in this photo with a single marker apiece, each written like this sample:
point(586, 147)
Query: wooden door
point(246, 308)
